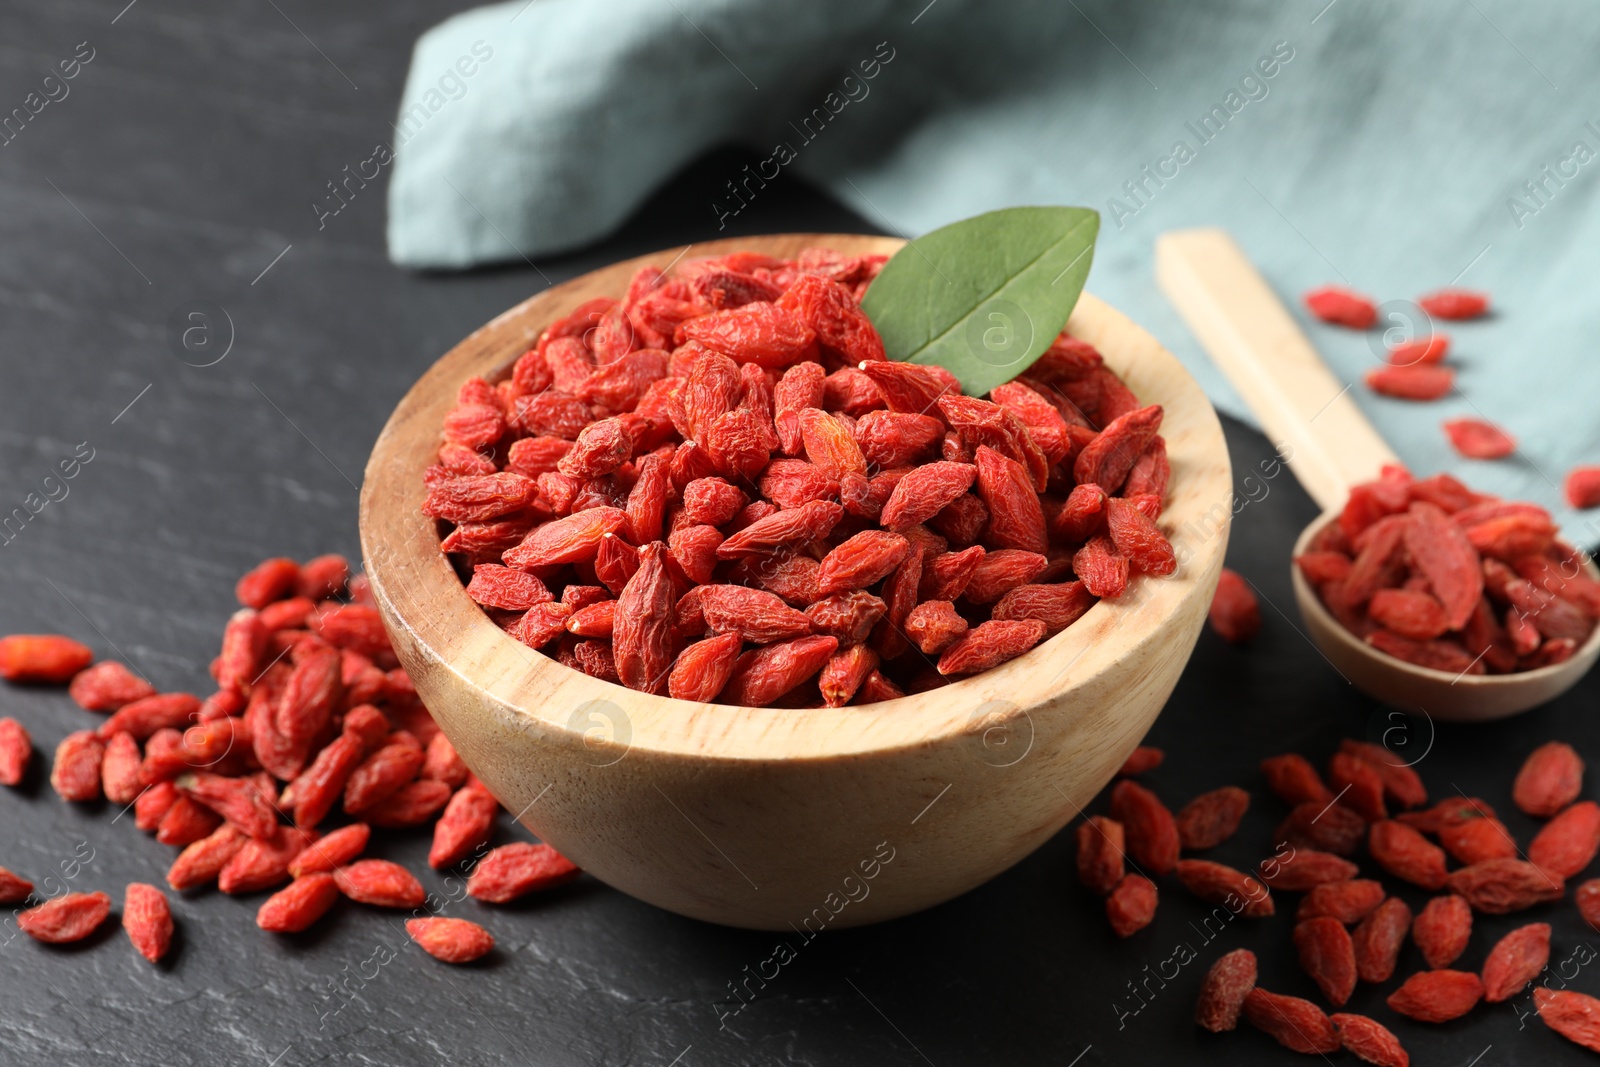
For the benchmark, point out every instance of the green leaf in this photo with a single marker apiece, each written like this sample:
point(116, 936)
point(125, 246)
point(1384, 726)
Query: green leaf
point(984, 297)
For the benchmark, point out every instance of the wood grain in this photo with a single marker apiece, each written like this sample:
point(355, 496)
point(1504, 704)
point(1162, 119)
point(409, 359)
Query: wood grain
point(753, 817)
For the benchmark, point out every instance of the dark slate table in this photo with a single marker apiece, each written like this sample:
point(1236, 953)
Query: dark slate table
point(178, 174)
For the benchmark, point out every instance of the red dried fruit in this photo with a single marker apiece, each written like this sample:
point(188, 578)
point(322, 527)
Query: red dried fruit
point(413, 804)
point(464, 828)
point(1418, 381)
point(301, 903)
point(1341, 307)
point(1151, 831)
point(263, 862)
point(14, 888)
point(121, 770)
point(1016, 519)
point(48, 659)
point(332, 851)
point(153, 805)
point(811, 521)
point(1141, 760)
point(269, 580)
point(1328, 956)
point(574, 539)
point(1401, 783)
point(999, 572)
point(1294, 1023)
point(1477, 839)
point(1211, 818)
point(860, 561)
point(1550, 779)
point(1378, 939)
point(1131, 905)
point(1573, 1015)
point(514, 870)
point(495, 586)
point(107, 686)
point(69, 917)
point(925, 491)
point(990, 644)
point(1357, 785)
point(200, 862)
point(147, 917)
point(450, 940)
point(643, 641)
point(1436, 996)
point(704, 667)
point(1100, 853)
point(1293, 779)
point(934, 626)
point(1303, 869)
point(1325, 827)
point(1500, 886)
point(1568, 842)
point(1479, 439)
point(1217, 883)
point(1349, 902)
point(1406, 854)
point(1235, 616)
point(16, 750)
point(844, 673)
point(382, 774)
point(1409, 613)
point(186, 822)
point(1224, 989)
point(380, 883)
point(1454, 303)
point(1136, 537)
point(1442, 930)
point(238, 800)
point(1431, 349)
point(829, 445)
point(1516, 959)
point(763, 675)
point(1582, 487)
point(1369, 1040)
point(76, 772)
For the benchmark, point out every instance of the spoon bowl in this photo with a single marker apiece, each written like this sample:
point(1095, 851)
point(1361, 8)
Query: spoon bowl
point(1330, 446)
point(793, 819)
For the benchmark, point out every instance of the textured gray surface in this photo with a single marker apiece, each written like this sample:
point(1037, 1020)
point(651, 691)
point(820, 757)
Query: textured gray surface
point(194, 142)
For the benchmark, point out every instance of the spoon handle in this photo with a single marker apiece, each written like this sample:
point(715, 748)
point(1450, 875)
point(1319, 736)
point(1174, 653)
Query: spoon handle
point(1252, 337)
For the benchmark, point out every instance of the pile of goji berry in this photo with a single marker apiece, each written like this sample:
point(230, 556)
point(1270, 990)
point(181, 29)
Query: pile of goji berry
point(1437, 575)
point(312, 720)
point(1416, 371)
point(719, 488)
point(1328, 821)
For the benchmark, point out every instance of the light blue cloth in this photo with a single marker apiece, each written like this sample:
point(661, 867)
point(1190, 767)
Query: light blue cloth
point(1395, 148)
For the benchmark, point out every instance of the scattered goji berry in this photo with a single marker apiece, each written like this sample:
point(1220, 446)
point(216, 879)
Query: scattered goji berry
point(1454, 303)
point(69, 917)
point(1341, 307)
point(1550, 779)
point(107, 686)
point(1406, 854)
point(47, 659)
point(1235, 616)
point(511, 871)
point(1224, 989)
point(1442, 930)
point(1100, 853)
point(1349, 901)
point(1567, 843)
point(1293, 779)
point(1328, 956)
point(1305, 868)
point(1141, 760)
point(147, 917)
point(1436, 996)
point(14, 888)
point(450, 940)
point(1378, 939)
point(1211, 818)
point(1369, 1040)
point(299, 904)
point(1417, 381)
point(1217, 883)
point(1152, 833)
point(1516, 959)
point(1131, 905)
point(1294, 1023)
point(76, 772)
point(1479, 439)
point(381, 883)
point(1573, 1015)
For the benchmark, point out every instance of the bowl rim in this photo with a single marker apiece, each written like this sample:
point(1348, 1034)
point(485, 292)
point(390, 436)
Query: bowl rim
point(419, 592)
point(1310, 601)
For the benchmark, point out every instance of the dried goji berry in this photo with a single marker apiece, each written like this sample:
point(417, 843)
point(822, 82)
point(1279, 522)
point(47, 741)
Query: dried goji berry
point(107, 686)
point(1000, 571)
point(381, 883)
point(1406, 854)
point(1454, 303)
point(990, 644)
point(1235, 616)
point(1500, 886)
point(1357, 786)
point(1303, 869)
point(1152, 833)
point(1294, 1023)
point(299, 904)
point(1341, 307)
point(14, 888)
point(16, 751)
point(1369, 1040)
point(511, 871)
point(464, 828)
point(762, 675)
point(1550, 779)
point(1479, 439)
point(1442, 929)
point(1573, 1015)
point(1293, 779)
point(1516, 959)
point(263, 862)
point(1224, 989)
point(1211, 818)
point(1476, 839)
point(413, 804)
point(69, 917)
point(1378, 939)
point(844, 672)
point(643, 641)
point(1349, 902)
point(703, 668)
point(1141, 760)
point(1217, 883)
point(1328, 956)
point(76, 773)
point(147, 917)
point(1567, 843)
point(450, 940)
point(1016, 519)
point(861, 560)
point(121, 770)
point(1137, 538)
point(1587, 898)
point(1100, 853)
point(1417, 381)
point(1131, 906)
point(1401, 783)
point(1325, 827)
point(1436, 996)
point(382, 774)
point(1582, 487)
point(48, 659)
point(335, 850)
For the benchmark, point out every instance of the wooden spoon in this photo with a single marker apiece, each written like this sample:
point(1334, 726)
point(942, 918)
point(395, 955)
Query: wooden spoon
point(1330, 446)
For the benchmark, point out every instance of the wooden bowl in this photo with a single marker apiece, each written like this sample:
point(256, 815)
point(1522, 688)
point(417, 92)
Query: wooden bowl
point(778, 819)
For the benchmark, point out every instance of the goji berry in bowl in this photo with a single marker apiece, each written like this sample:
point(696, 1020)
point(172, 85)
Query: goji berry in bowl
point(1441, 600)
point(780, 816)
